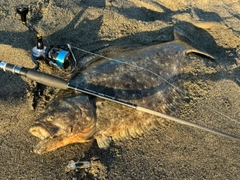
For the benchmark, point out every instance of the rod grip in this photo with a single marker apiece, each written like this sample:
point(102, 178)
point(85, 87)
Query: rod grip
point(45, 79)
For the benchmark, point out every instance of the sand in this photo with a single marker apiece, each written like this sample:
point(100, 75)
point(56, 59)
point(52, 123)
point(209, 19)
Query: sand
point(178, 152)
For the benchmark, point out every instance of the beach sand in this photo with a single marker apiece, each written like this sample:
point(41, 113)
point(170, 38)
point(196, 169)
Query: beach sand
point(179, 152)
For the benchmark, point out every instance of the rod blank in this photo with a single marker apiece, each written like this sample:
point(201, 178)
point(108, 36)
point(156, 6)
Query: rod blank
point(57, 82)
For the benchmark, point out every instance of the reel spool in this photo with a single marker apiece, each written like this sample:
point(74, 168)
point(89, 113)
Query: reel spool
point(60, 56)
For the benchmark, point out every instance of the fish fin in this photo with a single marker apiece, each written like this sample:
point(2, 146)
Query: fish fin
point(141, 128)
point(199, 52)
point(183, 37)
point(103, 141)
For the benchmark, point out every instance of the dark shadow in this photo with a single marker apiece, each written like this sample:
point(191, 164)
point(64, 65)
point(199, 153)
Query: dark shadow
point(236, 75)
point(27, 40)
point(12, 87)
point(92, 3)
point(81, 36)
point(207, 16)
point(147, 15)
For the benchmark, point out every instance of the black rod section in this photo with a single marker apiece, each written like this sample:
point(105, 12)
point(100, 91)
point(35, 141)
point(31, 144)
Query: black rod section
point(34, 75)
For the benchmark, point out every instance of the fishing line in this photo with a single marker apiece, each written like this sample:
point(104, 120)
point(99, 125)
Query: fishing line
point(210, 107)
point(50, 80)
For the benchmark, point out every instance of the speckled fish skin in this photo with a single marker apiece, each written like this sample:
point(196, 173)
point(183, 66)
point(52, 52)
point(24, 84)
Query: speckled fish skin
point(78, 118)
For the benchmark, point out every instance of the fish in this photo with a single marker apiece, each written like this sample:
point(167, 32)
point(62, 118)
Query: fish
point(151, 76)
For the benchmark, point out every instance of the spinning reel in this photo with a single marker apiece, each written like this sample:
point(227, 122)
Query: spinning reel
point(59, 56)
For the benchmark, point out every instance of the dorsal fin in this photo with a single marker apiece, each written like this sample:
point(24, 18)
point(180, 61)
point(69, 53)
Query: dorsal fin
point(181, 36)
point(199, 52)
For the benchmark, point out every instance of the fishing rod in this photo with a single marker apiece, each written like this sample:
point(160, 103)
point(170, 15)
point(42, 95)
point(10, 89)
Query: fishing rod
point(54, 81)
point(63, 57)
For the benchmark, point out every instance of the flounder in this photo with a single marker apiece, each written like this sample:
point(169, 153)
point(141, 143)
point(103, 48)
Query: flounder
point(147, 76)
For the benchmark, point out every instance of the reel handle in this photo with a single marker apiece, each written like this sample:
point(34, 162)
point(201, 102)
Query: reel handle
point(22, 9)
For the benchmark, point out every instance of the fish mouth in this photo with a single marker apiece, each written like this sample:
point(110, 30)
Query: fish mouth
point(51, 141)
point(48, 144)
point(39, 148)
point(48, 136)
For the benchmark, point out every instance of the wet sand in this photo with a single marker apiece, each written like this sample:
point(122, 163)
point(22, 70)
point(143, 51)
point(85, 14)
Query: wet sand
point(178, 152)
